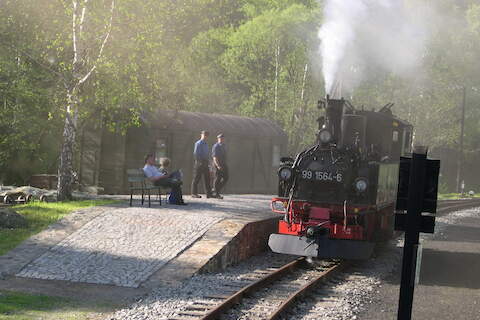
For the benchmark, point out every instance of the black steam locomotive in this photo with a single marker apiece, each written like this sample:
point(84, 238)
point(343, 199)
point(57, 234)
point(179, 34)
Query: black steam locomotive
point(338, 196)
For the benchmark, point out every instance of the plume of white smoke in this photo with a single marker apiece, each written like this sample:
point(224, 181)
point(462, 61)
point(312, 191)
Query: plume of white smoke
point(360, 34)
point(337, 34)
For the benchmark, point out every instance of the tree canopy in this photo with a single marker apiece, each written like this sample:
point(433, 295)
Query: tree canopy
point(257, 58)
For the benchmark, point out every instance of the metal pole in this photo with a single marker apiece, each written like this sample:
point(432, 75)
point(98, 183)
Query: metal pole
point(412, 230)
point(460, 155)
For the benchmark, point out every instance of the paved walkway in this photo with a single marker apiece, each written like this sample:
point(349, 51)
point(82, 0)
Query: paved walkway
point(449, 285)
point(124, 246)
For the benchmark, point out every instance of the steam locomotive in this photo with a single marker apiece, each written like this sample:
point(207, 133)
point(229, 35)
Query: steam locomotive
point(338, 196)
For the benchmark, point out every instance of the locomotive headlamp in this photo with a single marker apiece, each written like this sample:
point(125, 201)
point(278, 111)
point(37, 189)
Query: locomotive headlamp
point(361, 184)
point(325, 136)
point(285, 173)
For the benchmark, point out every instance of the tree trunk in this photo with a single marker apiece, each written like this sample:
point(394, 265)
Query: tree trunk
point(277, 55)
point(80, 73)
point(65, 170)
point(301, 112)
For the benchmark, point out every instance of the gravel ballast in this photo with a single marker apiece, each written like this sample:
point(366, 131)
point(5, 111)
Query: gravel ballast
point(341, 299)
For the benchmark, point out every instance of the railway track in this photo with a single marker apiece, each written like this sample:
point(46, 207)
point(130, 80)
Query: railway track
point(269, 295)
point(446, 206)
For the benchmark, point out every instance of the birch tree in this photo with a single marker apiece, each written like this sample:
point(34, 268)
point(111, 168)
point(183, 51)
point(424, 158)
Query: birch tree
point(88, 45)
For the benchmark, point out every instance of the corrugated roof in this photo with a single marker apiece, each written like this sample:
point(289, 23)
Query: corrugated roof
point(228, 124)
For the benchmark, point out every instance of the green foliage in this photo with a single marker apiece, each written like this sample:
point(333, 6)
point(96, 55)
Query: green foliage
point(257, 69)
point(249, 57)
point(454, 196)
point(442, 187)
point(27, 128)
point(40, 215)
point(473, 17)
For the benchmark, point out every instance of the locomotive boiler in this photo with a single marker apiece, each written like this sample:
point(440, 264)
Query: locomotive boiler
point(337, 197)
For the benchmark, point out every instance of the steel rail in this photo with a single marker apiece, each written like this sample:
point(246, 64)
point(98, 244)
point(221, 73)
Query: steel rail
point(223, 307)
point(447, 206)
point(458, 201)
point(305, 289)
point(238, 296)
point(444, 206)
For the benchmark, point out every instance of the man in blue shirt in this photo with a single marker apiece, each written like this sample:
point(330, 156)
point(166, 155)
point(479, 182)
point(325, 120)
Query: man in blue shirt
point(219, 154)
point(201, 156)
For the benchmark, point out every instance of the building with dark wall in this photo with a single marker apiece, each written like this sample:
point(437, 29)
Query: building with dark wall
point(254, 147)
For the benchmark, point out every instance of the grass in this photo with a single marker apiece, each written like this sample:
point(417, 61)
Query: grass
point(454, 196)
point(22, 306)
point(40, 215)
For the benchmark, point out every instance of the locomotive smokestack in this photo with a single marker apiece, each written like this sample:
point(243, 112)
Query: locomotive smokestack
point(333, 113)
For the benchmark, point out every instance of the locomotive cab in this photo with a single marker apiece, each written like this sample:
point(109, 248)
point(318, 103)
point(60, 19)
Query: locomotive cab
point(337, 197)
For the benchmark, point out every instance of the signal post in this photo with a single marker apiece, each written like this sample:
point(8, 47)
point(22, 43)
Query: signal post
point(417, 193)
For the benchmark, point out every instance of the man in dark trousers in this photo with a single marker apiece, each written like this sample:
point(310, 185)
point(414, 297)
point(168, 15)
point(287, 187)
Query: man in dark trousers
point(201, 156)
point(219, 154)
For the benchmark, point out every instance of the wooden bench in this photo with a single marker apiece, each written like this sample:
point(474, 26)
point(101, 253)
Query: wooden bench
point(138, 182)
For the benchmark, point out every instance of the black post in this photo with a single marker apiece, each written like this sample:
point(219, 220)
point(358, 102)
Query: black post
point(412, 229)
point(460, 155)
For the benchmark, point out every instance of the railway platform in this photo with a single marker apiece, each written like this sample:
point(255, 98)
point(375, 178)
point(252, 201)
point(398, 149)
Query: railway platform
point(119, 252)
point(449, 286)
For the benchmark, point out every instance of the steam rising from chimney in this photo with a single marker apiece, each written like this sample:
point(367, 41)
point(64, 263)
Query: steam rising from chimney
point(360, 34)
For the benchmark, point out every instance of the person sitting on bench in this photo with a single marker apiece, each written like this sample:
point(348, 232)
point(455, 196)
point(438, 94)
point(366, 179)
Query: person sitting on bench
point(163, 179)
point(164, 164)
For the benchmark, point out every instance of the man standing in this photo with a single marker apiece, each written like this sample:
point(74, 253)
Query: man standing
point(201, 157)
point(219, 154)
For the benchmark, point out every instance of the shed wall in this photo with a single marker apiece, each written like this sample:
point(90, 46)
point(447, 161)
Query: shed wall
point(112, 162)
point(110, 154)
point(89, 157)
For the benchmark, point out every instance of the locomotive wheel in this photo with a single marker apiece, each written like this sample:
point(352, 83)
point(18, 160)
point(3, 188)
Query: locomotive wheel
point(21, 199)
point(7, 199)
point(28, 198)
point(43, 198)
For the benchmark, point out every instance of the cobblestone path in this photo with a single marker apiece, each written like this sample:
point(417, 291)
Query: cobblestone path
point(122, 246)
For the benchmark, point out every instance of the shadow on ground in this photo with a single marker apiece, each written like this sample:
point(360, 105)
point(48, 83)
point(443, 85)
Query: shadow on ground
point(452, 269)
point(463, 233)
